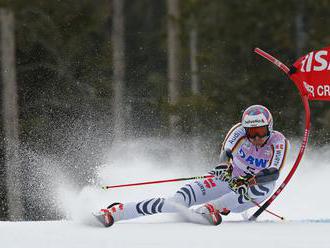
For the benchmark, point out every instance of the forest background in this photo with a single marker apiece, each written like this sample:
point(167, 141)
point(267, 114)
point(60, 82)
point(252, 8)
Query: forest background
point(93, 72)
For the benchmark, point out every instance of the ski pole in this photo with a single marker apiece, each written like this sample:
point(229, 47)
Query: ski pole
point(158, 181)
point(246, 196)
point(268, 211)
point(177, 180)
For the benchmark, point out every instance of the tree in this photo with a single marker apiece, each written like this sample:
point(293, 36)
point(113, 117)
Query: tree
point(195, 83)
point(173, 60)
point(301, 39)
point(118, 53)
point(193, 46)
point(10, 115)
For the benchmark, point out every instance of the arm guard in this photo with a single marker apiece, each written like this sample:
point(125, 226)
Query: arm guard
point(267, 175)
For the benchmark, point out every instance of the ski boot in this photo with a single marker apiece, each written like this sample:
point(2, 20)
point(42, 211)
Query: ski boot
point(210, 213)
point(105, 216)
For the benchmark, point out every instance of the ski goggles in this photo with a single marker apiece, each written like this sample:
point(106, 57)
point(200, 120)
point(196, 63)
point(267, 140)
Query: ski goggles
point(253, 132)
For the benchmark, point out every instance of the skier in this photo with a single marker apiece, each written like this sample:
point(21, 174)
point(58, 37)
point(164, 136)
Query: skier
point(251, 158)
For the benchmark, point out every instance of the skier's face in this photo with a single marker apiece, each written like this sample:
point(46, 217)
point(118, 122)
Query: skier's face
point(257, 141)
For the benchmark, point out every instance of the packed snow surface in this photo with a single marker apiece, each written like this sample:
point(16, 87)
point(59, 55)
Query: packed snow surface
point(304, 203)
point(164, 233)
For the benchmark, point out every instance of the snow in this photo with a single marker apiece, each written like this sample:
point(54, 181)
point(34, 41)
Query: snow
point(303, 203)
point(164, 234)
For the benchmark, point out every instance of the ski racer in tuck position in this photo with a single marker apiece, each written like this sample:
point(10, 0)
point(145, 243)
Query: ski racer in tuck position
point(251, 159)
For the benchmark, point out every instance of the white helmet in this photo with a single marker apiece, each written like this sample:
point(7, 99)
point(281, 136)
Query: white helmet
point(257, 116)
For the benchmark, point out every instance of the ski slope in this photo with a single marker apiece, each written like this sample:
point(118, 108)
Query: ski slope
point(164, 233)
point(303, 203)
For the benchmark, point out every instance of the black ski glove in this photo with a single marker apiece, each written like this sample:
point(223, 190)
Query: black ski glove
point(241, 184)
point(222, 172)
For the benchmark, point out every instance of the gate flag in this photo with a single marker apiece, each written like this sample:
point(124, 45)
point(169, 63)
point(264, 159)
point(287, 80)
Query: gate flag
point(311, 74)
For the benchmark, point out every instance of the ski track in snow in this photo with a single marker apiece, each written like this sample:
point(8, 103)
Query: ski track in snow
point(302, 203)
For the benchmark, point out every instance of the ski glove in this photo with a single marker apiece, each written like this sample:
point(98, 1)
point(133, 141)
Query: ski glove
point(222, 172)
point(241, 184)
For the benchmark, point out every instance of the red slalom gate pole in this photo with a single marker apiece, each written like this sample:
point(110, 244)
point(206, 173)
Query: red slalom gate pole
point(304, 98)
